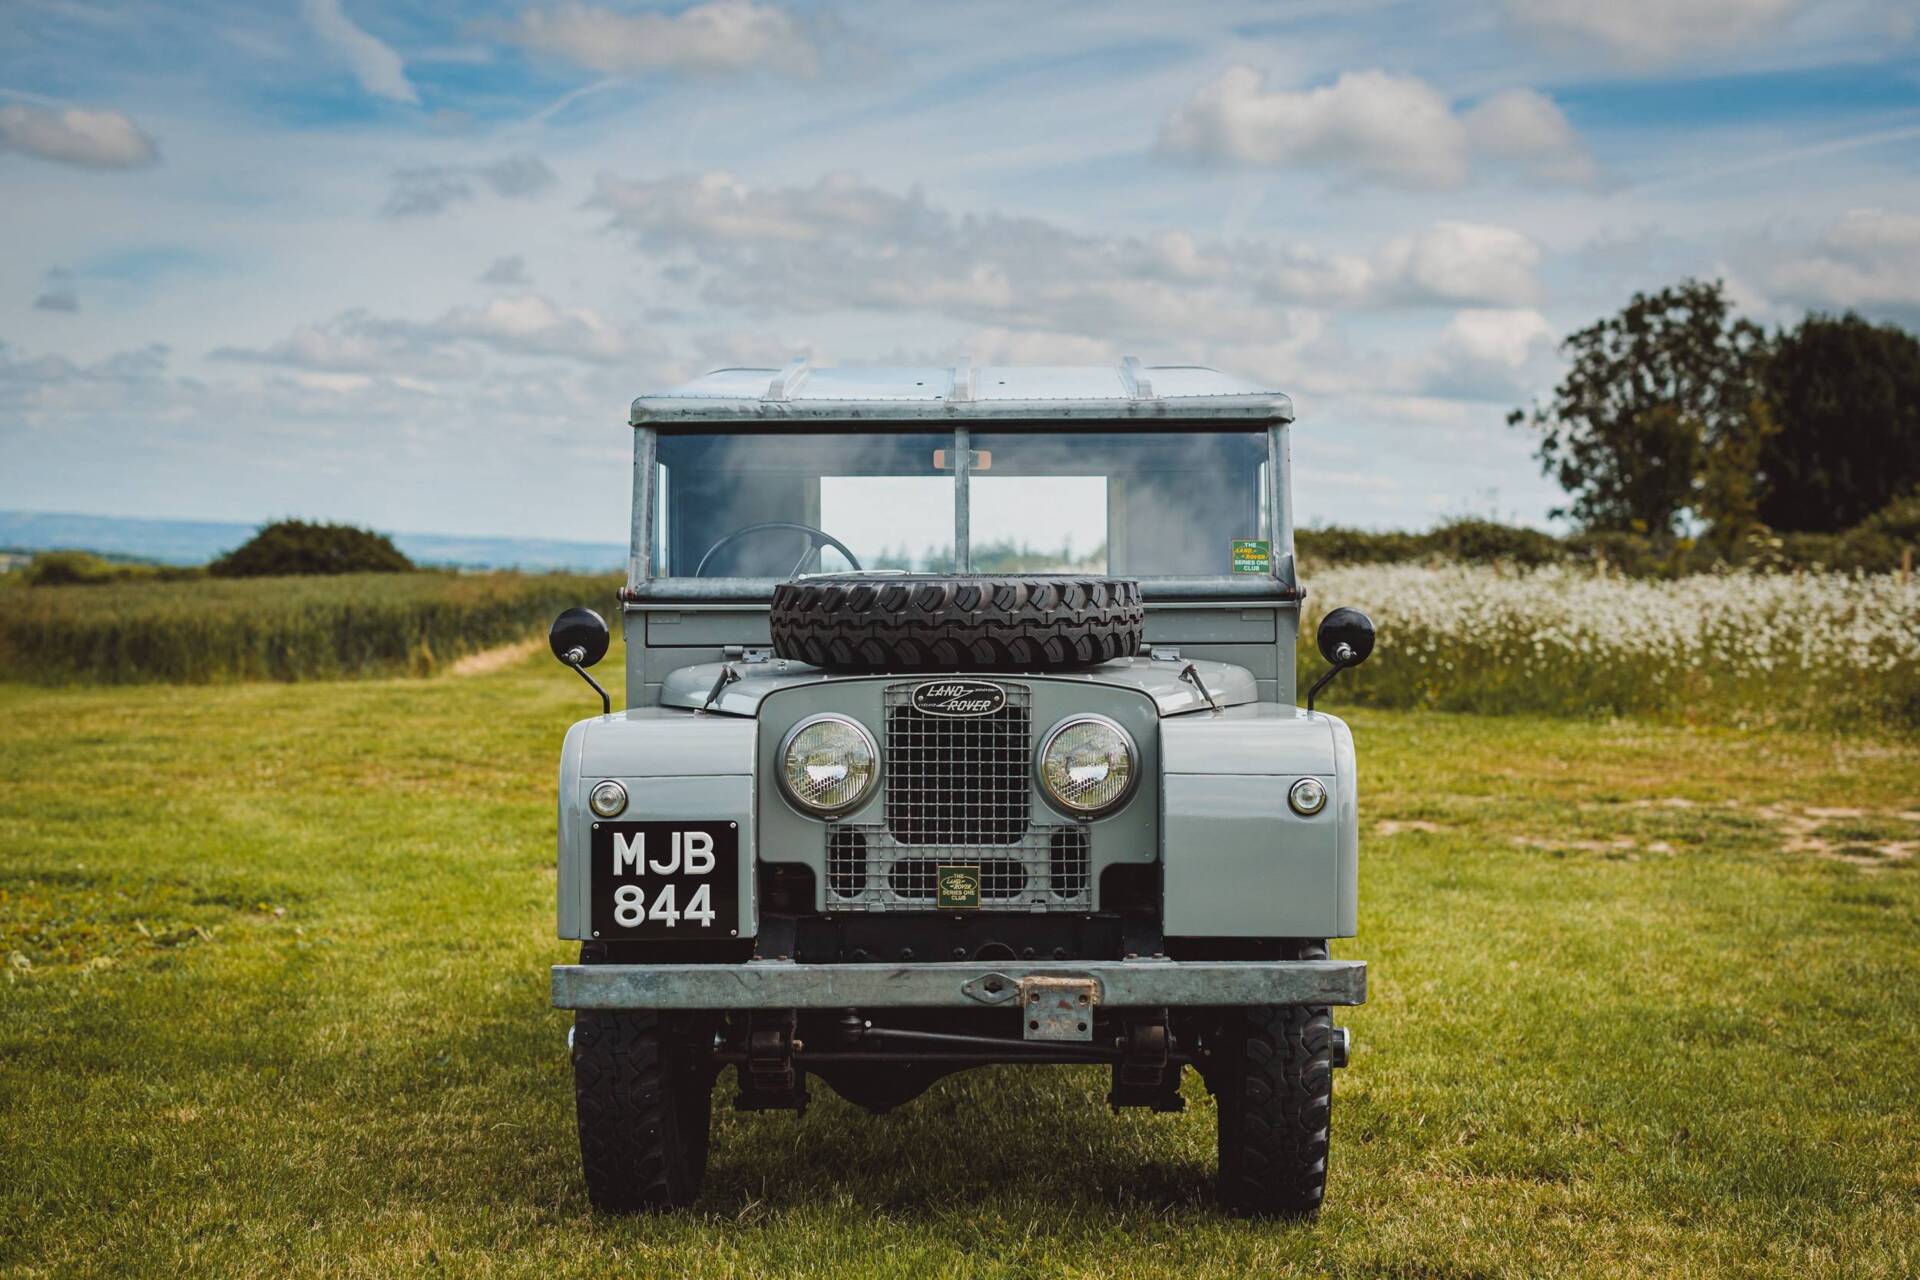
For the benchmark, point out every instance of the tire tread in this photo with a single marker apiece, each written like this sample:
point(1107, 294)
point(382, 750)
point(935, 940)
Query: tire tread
point(929, 622)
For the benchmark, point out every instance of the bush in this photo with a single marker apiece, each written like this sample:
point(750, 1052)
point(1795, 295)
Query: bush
point(1334, 545)
point(1468, 540)
point(294, 547)
point(1873, 546)
point(83, 568)
point(1474, 541)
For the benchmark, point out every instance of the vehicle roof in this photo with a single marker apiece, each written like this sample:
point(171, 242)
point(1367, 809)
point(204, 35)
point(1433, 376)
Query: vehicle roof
point(1128, 390)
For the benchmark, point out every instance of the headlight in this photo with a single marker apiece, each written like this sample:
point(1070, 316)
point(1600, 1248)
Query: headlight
point(828, 764)
point(1308, 797)
point(1087, 766)
point(608, 799)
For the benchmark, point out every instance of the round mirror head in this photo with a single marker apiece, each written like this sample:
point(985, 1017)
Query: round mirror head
point(579, 637)
point(1346, 637)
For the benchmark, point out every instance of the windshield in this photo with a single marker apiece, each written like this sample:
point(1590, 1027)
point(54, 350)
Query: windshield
point(773, 504)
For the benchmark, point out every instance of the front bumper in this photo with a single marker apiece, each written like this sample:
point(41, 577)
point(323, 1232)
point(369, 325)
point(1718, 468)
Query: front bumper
point(781, 984)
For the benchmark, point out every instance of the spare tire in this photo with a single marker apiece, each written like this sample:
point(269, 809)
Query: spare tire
point(956, 622)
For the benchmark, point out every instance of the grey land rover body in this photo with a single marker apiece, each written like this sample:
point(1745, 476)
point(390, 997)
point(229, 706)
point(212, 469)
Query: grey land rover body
point(947, 905)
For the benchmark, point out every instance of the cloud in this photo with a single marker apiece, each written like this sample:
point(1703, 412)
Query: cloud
point(1869, 260)
point(353, 342)
point(842, 244)
point(77, 136)
point(1644, 32)
point(521, 175)
point(524, 324)
point(1489, 354)
point(1394, 128)
point(717, 209)
point(29, 386)
point(746, 349)
point(379, 69)
point(1527, 130)
point(511, 271)
point(59, 295)
point(529, 324)
point(1460, 262)
point(1374, 126)
point(427, 190)
point(1032, 346)
point(716, 37)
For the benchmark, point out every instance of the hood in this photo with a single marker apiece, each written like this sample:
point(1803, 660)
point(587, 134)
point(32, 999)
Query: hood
point(1160, 680)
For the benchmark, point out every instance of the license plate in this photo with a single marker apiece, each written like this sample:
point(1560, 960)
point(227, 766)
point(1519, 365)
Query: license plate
point(665, 879)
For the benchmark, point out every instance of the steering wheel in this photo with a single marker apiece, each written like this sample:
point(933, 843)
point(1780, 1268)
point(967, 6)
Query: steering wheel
point(816, 539)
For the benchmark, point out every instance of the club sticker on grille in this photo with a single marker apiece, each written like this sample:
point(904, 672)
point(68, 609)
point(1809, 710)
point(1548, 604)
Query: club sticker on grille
point(958, 698)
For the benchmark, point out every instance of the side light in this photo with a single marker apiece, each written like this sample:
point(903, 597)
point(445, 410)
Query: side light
point(1308, 797)
point(608, 799)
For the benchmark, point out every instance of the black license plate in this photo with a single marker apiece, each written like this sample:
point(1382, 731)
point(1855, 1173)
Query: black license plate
point(666, 879)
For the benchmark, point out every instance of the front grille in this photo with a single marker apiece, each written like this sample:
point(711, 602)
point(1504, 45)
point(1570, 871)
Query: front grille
point(958, 780)
point(958, 793)
point(1045, 869)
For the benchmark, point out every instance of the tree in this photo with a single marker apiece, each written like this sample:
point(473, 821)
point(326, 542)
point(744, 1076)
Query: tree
point(1846, 394)
point(296, 547)
point(1660, 416)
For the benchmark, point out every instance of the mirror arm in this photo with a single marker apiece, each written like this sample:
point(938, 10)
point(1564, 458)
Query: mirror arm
point(1320, 684)
point(606, 703)
point(1343, 658)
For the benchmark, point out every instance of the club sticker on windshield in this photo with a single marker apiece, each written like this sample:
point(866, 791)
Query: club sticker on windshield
point(1252, 555)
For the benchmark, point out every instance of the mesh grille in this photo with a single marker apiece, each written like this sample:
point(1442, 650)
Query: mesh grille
point(1045, 869)
point(958, 780)
point(958, 792)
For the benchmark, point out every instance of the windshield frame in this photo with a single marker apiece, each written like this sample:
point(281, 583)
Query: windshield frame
point(1280, 583)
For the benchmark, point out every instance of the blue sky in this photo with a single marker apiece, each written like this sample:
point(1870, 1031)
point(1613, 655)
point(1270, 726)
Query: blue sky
point(406, 264)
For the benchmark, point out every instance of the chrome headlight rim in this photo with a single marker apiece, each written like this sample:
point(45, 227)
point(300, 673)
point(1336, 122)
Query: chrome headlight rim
point(1127, 744)
point(836, 811)
point(616, 798)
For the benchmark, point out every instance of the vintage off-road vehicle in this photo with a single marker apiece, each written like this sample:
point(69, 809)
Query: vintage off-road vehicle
point(960, 729)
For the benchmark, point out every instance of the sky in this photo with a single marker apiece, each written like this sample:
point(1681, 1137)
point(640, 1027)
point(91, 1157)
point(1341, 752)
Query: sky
point(406, 264)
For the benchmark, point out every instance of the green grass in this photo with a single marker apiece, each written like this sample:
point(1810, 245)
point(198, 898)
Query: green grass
point(275, 1004)
point(275, 628)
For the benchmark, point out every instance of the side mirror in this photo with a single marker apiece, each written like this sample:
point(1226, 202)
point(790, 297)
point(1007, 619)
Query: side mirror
point(1346, 640)
point(1346, 637)
point(579, 638)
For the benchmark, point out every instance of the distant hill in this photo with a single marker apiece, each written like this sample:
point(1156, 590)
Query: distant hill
point(198, 541)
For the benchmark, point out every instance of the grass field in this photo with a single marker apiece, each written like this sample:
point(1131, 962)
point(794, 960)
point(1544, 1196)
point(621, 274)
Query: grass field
point(304, 628)
point(1645, 1000)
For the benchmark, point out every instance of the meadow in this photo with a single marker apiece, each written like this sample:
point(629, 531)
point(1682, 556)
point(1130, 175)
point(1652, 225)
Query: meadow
point(1805, 649)
point(1645, 1000)
point(1743, 649)
point(300, 628)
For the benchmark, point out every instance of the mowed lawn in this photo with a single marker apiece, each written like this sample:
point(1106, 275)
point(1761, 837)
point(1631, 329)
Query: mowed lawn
point(1645, 1000)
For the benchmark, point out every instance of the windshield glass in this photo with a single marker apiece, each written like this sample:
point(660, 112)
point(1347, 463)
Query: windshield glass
point(748, 504)
point(773, 504)
point(1139, 504)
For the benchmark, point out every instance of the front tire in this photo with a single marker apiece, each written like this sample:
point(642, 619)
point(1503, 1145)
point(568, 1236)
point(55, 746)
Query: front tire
point(1272, 1078)
point(644, 1108)
point(1270, 1069)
